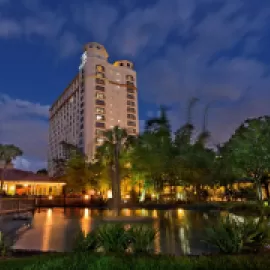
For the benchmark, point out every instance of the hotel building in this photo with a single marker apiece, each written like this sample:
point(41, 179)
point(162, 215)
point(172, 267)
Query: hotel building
point(102, 95)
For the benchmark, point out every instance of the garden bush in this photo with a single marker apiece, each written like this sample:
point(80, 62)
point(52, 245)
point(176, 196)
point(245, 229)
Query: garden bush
point(231, 236)
point(86, 261)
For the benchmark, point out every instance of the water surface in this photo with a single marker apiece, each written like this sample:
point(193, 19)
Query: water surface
point(180, 231)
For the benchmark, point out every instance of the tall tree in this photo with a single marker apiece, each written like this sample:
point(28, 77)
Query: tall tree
point(152, 152)
point(250, 149)
point(78, 174)
point(8, 152)
point(116, 141)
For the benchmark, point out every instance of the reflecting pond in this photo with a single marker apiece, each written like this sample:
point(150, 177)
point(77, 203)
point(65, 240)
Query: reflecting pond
point(180, 231)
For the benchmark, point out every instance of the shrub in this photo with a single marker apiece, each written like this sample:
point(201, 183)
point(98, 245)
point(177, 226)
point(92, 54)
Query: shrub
point(88, 261)
point(113, 238)
point(87, 242)
point(141, 238)
point(230, 236)
point(3, 246)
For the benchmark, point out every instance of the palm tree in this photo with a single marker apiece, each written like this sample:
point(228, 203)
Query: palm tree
point(183, 135)
point(116, 141)
point(8, 152)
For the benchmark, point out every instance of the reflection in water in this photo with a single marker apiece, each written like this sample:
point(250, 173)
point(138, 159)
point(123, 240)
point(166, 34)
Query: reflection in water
point(184, 241)
point(179, 231)
point(180, 213)
point(85, 221)
point(47, 231)
point(156, 226)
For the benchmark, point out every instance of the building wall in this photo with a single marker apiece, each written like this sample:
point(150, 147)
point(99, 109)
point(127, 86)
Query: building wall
point(101, 96)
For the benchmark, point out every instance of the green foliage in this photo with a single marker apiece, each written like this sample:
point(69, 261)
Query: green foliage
point(77, 172)
point(3, 246)
point(249, 149)
point(230, 236)
point(88, 242)
point(93, 261)
point(110, 154)
point(113, 238)
point(8, 152)
point(142, 238)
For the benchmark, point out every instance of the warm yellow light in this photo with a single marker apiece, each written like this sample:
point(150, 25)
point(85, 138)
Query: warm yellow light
point(86, 197)
point(50, 197)
point(109, 194)
point(25, 185)
point(12, 188)
point(180, 213)
point(127, 196)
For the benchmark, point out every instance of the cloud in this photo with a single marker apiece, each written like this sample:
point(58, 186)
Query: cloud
point(150, 27)
point(209, 67)
point(28, 165)
point(9, 28)
point(47, 24)
point(25, 124)
point(97, 18)
point(68, 44)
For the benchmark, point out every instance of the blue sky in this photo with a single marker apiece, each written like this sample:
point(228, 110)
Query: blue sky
point(217, 50)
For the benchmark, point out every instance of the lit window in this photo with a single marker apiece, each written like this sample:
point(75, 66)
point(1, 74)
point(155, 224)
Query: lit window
point(99, 140)
point(100, 68)
point(100, 75)
point(100, 110)
point(100, 117)
point(99, 132)
point(100, 96)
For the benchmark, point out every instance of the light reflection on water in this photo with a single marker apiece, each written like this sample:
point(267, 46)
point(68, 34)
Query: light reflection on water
point(179, 231)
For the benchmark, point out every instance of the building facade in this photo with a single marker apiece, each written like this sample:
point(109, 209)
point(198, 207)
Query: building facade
point(102, 95)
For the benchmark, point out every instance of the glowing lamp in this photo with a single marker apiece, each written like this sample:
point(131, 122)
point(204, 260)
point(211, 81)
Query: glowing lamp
point(86, 197)
point(50, 197)
point(109, 194)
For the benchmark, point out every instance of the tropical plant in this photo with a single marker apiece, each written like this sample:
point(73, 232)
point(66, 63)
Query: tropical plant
point(8, 152)
point(84, 243)
point(116, 142)
point(142, 238)
point(113, 238)
point(230, 236)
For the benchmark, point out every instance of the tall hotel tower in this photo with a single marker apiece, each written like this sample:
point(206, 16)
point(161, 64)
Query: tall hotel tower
point(101, 96)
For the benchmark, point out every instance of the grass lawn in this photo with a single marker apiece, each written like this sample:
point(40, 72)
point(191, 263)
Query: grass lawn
point(113, 262)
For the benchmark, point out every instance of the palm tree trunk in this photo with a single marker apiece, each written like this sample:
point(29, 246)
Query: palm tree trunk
point(3, 177)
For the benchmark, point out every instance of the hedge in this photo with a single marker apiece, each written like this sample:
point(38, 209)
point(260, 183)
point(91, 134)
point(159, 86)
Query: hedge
point(118, 262)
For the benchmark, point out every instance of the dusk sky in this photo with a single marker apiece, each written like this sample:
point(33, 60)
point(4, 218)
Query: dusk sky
point(216, 50)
